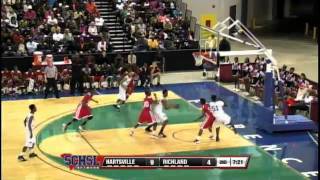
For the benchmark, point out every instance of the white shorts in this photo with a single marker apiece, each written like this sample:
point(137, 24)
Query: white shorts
point(222, 118)
point(122, 94)
point(160, 117)
point(30, 142)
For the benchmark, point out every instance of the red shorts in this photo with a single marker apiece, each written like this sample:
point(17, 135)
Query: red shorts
point(146, 117)
point(207, 123)
point(83, 111)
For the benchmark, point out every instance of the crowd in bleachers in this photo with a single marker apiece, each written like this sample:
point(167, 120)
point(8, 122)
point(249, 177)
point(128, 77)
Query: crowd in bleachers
point(291, 87)
point(63, 27)
point(155, 24)
point(93, 76)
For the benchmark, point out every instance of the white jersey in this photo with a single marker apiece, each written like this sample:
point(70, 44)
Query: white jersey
point(160, 116)
point(159, 106)
point(29, 125)
point(123, 87)
point(217, 107)
point(126, 82)
point(29, 122)
point(218, 112)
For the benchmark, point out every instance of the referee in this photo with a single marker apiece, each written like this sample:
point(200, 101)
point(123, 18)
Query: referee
point(50, 77)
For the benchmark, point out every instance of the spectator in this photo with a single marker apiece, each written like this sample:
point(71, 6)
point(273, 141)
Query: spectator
point(30, 14)
point(155, 73)
point(81, 46)
point(167, 25)
point(55, 28)
point(236, 72)
point(52, 20)
point(86, 71)
point(102, 47)
point(68, 39)
point(141, 44)
point(13, 21)
point(57, 36)
point(144, 75)
point(303, 87)
point(92, 29)
point(290, 78)
point(31, 46)
point(99, 21)
point(153, 43)
point(132, 58)
point(22, 49)
point(91, 7)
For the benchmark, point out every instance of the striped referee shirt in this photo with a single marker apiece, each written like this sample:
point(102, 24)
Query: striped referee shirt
point(51, 72)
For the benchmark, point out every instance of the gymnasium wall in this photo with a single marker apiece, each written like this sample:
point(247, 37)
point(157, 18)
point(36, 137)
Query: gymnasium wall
point(202, 9)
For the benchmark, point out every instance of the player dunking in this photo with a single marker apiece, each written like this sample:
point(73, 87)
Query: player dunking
point(146, 115)
point(123, 85)
point(160, 116)
point(221, 117)
point(30, 137)
point(207, 122)
point(83, 111)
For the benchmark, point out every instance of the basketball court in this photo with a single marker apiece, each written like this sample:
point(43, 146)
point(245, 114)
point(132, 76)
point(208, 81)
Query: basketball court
point(109, 135)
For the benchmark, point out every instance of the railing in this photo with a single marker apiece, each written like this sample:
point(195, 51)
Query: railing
point(175, 60)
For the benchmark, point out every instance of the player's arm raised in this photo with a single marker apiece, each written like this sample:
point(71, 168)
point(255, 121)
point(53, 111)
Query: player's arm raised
point(155, 98)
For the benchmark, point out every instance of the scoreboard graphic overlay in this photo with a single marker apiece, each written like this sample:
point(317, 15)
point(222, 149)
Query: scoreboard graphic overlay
point(152, 162)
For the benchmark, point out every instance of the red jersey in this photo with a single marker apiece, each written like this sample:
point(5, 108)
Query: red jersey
point(83, 110)
point(206, 111)
point(85, 100)
point(130, 87)
point(208, 118)
point(147, 103)
point(146, 116)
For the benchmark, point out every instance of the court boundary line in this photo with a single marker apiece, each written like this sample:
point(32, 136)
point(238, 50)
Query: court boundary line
point(87, 141)
point(312, 138)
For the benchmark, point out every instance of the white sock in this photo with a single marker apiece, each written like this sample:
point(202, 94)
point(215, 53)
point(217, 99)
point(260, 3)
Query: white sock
point(198, 138)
